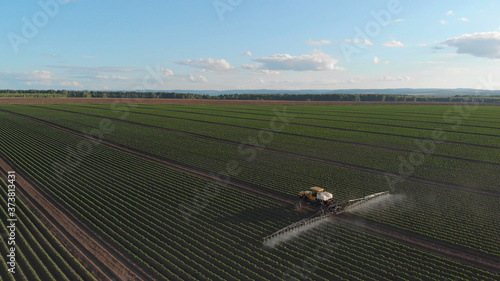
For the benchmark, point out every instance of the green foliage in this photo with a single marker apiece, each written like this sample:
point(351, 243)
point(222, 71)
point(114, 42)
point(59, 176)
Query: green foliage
point(138, 204)
point(288, 97)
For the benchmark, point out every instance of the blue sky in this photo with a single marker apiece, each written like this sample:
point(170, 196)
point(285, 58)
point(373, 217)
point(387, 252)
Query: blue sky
point(243, 44)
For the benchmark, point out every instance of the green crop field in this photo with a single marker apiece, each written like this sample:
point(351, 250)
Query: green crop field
point(188, 191)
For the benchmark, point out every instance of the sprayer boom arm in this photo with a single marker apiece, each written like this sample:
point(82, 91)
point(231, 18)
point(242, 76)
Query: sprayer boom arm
point(334, 208)
point(359, 201)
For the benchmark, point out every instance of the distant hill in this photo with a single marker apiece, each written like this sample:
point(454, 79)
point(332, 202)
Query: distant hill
point(389, 95)
point(400, 91)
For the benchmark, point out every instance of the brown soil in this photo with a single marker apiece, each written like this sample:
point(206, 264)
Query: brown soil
point(200, 101)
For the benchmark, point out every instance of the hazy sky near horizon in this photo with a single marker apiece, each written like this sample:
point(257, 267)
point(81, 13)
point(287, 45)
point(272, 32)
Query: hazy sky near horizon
point(249, 44)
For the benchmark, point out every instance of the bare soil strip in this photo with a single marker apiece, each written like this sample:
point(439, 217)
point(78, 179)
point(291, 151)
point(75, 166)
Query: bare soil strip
point(330, 162)
point(472, 258)
point(98, 256)
point(440, 248)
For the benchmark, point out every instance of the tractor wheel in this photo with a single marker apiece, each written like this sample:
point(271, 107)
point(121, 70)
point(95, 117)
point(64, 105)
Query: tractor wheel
point(338, 209)
point(298, 205)
point(330, 209)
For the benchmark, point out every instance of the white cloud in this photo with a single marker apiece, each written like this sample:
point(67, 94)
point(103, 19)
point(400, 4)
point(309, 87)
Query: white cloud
point(320, 42)
point(37, 77)
point(393, 78)
point(112, 77)
point(422, 45)
point(464, 19)
point(89, 70)
point(166, 71)
point(398, 20)
point(376, 60)
point(71, 84)
point(317, 61)
point(450, 13)
point(394, 43)
point(40, 83)
point(483, 44)
point(198, 79)
point(248, 53)
point(257, 68)
point(208, 64)
point(269, 72)
point(359, 40)
point(40, 75)
point(309, 83)
point(443, 22)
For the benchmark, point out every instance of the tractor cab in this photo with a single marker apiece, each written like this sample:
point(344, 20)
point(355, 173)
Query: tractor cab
point(316, 194)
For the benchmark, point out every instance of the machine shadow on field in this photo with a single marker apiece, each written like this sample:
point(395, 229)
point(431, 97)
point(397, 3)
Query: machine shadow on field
point(268, 218)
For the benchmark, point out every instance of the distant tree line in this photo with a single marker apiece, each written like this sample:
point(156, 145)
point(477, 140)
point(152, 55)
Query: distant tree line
point(287, 97)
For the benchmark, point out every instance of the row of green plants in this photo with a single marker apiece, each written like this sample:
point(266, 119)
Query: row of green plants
point(39, 255)
point(462, 218)
point(133, 202)
point(129, 213)
point(406, 112)
point(458, 149)
point(415, 115)
point(330, 128)
point(461, 172)
point(461, 150)
point(268, 170)
point(405, 265)
point(285, 175)
point(324, 119)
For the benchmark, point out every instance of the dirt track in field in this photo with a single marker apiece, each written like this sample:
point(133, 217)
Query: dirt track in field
point(201, 101)
point(470, 257)
point(83, 243)
point(330, 162)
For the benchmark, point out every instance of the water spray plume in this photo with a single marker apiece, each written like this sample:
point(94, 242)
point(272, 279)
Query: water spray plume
point(328, 208)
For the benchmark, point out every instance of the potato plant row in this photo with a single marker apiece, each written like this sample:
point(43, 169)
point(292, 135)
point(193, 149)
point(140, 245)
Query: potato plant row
point(287, 177)
point(460, 172)
point(483, 116)
point(324, 119)
point(39, 255)
point(136, 207)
